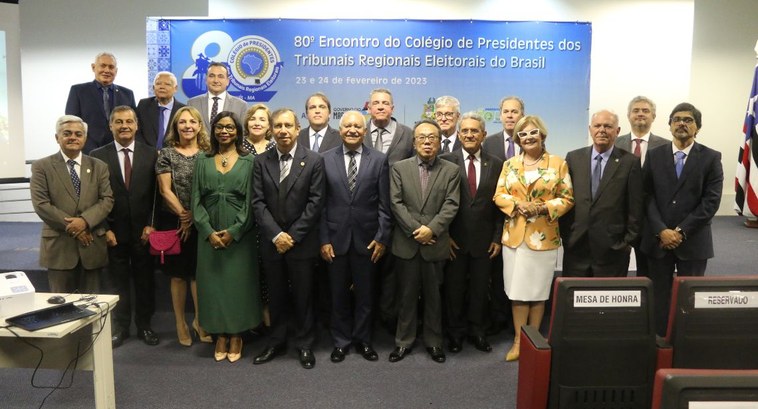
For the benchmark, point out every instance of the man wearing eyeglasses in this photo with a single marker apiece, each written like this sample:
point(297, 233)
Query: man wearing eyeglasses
point(447, 110)
point(683, 182)
point(424, 198)
point(599, 230)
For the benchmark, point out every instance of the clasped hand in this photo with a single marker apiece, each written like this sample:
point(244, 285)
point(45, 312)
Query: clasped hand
point(220, 239)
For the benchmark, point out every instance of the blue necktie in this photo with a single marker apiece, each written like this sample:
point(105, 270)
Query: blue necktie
point(315, 141)
point(679, 164)
point(161, 127)
point(107, 102)
point(511, 150)
point(597, 174)
point(74, 177)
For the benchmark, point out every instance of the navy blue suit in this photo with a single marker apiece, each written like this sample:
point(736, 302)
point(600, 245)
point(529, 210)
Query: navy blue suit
point(86, 101)
point(350, 221)
point(148, 114)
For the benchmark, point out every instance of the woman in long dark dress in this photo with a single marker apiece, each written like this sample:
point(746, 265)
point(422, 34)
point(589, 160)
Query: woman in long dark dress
point(227, 273)
point(185, 141)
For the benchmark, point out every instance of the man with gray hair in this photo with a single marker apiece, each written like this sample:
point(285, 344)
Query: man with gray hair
point(154, 114)
point(93, 101)
point(72, 195)
point(447, 110)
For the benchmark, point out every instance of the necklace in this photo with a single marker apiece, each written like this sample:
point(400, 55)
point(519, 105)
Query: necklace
point(535, 162)
point(225, 159)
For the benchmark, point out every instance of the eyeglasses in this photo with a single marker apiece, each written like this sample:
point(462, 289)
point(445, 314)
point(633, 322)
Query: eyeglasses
point(430, 138)
point(446, 115)
point(229, 128)
point(686, 119)
point(524, 134)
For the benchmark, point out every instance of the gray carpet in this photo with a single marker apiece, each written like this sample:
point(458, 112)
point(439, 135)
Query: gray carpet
point(172, 376)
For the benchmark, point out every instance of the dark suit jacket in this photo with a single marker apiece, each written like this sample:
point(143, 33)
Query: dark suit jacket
point(86, 101)
point(147, 120)
point(613, 220)
point(54, 199)
point(294, 207)
point(625, 142)
point(494, 145)
point(330, 140)
point(689, 202)
point(363, 215)
point(133, 208)
point(436, 211)
point(456, 144)
point(478, 222)
point(402, 142)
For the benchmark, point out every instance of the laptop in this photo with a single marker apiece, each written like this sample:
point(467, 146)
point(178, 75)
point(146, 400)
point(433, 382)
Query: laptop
point(48, 317)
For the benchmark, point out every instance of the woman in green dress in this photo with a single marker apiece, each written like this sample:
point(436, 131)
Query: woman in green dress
point(227, 260)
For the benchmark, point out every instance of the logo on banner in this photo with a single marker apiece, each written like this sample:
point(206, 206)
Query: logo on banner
point(255, 65)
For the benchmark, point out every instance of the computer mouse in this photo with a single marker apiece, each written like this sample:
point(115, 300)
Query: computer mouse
point(56, 299)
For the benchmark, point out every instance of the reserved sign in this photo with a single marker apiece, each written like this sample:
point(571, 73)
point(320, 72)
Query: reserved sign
point(726, 299)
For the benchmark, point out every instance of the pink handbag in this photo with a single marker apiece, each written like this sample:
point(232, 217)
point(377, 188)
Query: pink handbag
point(165, 243)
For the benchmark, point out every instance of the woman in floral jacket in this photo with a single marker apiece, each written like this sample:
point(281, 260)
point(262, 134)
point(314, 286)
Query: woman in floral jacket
point(533, 191)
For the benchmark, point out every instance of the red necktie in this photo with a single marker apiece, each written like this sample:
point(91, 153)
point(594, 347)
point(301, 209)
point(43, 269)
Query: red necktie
point(471, 176)
point(637, 144)
point(127, 167)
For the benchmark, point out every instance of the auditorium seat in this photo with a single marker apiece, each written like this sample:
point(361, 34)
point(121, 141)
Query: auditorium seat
point(712, 388)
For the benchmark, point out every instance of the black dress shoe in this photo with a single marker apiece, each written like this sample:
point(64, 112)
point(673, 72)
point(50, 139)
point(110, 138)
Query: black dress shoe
point(437, 354)
point(269, 353)
point(338, 354)
point(118, 337)
point(148, 336)
point(307, 360)
point(454, 345)
point(480, 343)
point(399, 353)
point(367, 352)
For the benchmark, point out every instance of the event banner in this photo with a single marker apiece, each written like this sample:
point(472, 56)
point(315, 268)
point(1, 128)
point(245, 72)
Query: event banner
point(280, 62)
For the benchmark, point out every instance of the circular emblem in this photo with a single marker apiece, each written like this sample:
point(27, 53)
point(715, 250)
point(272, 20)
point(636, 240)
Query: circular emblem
point(255, 64)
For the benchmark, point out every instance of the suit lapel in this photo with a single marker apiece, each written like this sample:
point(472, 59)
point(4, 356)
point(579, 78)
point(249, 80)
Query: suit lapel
point(339, 163)
point(61, 169)
point(484, 174)
point(461, 161)
point(271, 165)
point(610, 169)
point(298, 164)
point(690, 163)
point(433, 173)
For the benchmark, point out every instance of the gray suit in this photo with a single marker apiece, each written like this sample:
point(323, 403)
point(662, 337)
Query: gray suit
point(231, 103)
point(54, 199)
point(421, 265)
point(402, 142)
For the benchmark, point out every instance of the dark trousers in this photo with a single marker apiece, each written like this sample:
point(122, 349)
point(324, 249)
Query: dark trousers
point(662, 275)
point(578, 262)
point(284, 305)
point(642, 264)
point(416, 277)
point(78, 279)
point(466, 287)
point(346, 325)
point(387, 288)
point(131, 264)
point(499, 305)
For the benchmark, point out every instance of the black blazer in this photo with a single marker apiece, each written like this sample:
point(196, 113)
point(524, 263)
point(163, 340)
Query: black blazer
point(478, 222)
point(689, 202)
point(495, 145)
point(330, 140)
point(147, 120)
point(363, 215)
point(86, 101)
point(293, 207)
point(133, 208)
point(612, 220)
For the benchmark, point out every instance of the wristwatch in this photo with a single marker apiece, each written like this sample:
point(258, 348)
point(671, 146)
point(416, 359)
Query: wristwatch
point(679, 230)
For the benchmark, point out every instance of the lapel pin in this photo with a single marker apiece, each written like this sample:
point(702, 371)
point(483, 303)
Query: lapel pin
point(302, 164)
point(87, 170)
point(617, 160)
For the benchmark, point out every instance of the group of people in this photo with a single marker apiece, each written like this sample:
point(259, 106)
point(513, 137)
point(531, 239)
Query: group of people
point(440, 213)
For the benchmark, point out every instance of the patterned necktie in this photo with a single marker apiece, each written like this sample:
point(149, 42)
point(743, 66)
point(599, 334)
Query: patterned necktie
point(127, 168)
point(424, 176)
point(214, 108)
point(74, 177)
point(284, 166)
point(446, 148)
point(379, 144)
point(679, 164)
point(511, 149)
point(597, 174)
point(471, 175)
point(638, 147)
point(106, 102)
point(161, 127)
point(316, 137)
point(352, 171)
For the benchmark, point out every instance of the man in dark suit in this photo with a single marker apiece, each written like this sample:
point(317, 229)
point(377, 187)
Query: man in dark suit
point(288, 186)
point(447, 111)
point(70, 192)
point(395, 140)
point(606, 219)
point(424, 197)
point(132, 177)
point(217, 99)
point(683, 183)
point(355, 231)
point(93, 101)
point(501, 145)
point(155, 113)
point(318, 136)
point(641, 114)
point(474, 237)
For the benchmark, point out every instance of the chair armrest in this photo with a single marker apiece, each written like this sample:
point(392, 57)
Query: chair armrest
point(533, 370)
point(664, 354)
